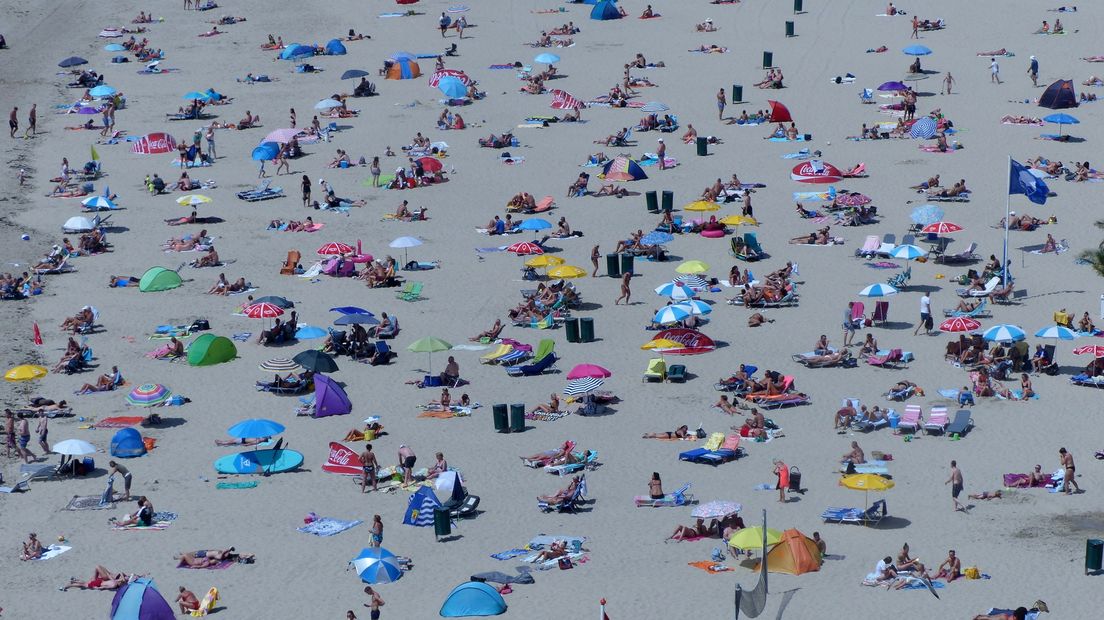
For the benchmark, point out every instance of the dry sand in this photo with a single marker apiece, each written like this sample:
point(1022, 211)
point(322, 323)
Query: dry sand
point(1031, 542)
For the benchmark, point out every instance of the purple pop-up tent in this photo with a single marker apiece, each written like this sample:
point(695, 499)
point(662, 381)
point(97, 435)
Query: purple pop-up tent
point(329, 398)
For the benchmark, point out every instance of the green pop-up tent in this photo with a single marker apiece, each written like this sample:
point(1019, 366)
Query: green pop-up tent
point(210, 349)
point(158, 279)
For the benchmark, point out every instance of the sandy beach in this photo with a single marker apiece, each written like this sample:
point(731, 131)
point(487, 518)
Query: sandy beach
point(1030, 542)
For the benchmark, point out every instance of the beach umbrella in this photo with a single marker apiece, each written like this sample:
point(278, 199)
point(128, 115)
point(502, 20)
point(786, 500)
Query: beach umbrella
point(908, 252)
point(357, 319)
point(195, 95)
point(103, 90)
point(315, 361)
point(924, 128)
point(695, 306)
point(98, 202)
point(566, 272)
point(1057, 332)
point(535, 223)
point(452, 87)
point(878, 290)
point(354, 73)
point(737, 219)
point(779, 113)
point(334, 248)
point(192, 200)
point(275, 300)
point(653, 107)
point(282, 136)
point(524, 247)
point(255, 428)
point(87, 109)
point(405, 243)
point(892, 86)
point(702, 205)
point(1061, 119)
point(74, 447)
point(671, 314)
point(547, 58)
point(959, 324)
point(327, 104)
point(660, 344)
point(544, 260)
point(853, 199)
point(263, 311)
point(866, 483)
point(1094, 350)
point(279, 364)
point(377, 565)
point(309, 332)
point(349, 310)
point(588, 370)
point(693, 267)
point(941, 228)
point(429, 346)
point(916, 50)
point(431, 164)
point(72, 61)
point(926, 214)
point(113, 47)
point(265, 152)
point(674, 290)
point(752, 538)
point(656, 237)
point(25, 372)
point(148, 395)
point(583, 385)
point(439, 74)
point(1004, 332)
point(695, 282)
point(404, 56)
point(716, 509)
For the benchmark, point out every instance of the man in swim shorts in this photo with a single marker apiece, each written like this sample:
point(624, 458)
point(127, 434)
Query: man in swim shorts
point(406, 461)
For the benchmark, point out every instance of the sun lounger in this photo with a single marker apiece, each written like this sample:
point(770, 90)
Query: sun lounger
point(656, 370)
point(261, 192)
point(534, 369)
point(568, 504)
point(964, 256)
point(679, 497)
point(412, 291)
point(979, 312)
point(870, 516)
point(911, 420)
point(570, 468)
point(886, 361)
point(869, 247)
point(865, 424)
point(676, 373)
point(495, 354)
point(21, 486)
point(728, 449)
point(960, 424)
point(777, 401)
point(990, 286)
point(937, 421)
point(512, 358)
point(878, 468)
point(1087, 381)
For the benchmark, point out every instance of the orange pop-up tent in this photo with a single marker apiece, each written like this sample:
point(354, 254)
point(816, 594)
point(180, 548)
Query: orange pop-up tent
point(795, 554)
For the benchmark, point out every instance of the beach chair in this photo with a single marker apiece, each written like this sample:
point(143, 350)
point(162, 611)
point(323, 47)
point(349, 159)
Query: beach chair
point(568, 504)
point(864, 424)
point(752, 242)
point(881, 312)
point(866, 96)
point(869, 247)
point(37, 471)
point(871, 516)
point(512, 358)
point(960, 424)
point(679, 497)
point(964, 256)
point(676, 373)
point(384, 354)
point(937, 421)
point(979, 312)
point(536, 368)
point(412, 291)
point(990, 286)
point(656, 370)
point(264, 191)
point(544, 347)
point(292, 260)
point(727, 449)
point(569, 468)
point(495, 354)
point(886, 361)
point(911, 420)
point(207, 605)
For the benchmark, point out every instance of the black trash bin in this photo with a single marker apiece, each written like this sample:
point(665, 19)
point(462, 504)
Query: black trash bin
point(703, 146)
point(571, 326)
point(737, 93)
point(517, 417)
point(442, 522)
point(1094, 554)
point(668, 200)
point(797, 6)
point(586, 329)
point(795, 479)
point(652, 200)
point(789, 29)
point(613, 268)
point(501, 418)
point(768, 60)
point(626, 263)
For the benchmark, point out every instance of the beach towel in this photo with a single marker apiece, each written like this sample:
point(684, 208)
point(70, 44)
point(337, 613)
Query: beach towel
point(948, 393)
point(242, 336)
point(327, 526)
point(88, 502)
point(220, 566)
point(502, 67)
point(510, 553)
point(710, 567)
point(52, 552)
point(157, 525)
point(444, 415)
point(237, 485)
point(918, 584)
point(118, 422)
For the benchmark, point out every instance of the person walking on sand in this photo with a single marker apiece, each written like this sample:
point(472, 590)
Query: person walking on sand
point(9, 430)
point(32, 122)
point(43, 431)
point(13, 120)
point(1033, 71)
point(994, 72)
point(444, 23)
point(783, 474)
point(948, 82)
point(1070, 472)
point(925, 315)
point(661, 154)
point(210, 136)
point(721, 102)
point(376, 532)
point(374, 604)
point(625, 292)
point(955, 480)
point(848, 325)
point(370, 465)
point(595, 256)
point(915, 28)
point(24, 433)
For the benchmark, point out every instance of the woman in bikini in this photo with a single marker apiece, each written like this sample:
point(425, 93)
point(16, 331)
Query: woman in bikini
point(679, 433)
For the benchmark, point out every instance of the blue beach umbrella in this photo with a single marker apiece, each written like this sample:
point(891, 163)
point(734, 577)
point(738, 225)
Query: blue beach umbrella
point(1060, 120)
point(878, 290)
point(404, 56)
point(1004, 332)
point(309, 332)
point(113, 47)
point(671, 314)
point(98, 203)
point(452, 87)
point(72, 61)
point(255, 428)
point(675, 290)
point(655, 106)
point(926, 214)
point(547, 58)
point(103, 90)
point(923, 128)
point(907, 252)
point(356, 319)
point(349, 310)
point(354, 73)
point(377, 565)
point(695, 306)
point(195, 95)
point(266, 151)
point(916, 50)
point(1057, 332)
point(535, 223)
point(656, 237)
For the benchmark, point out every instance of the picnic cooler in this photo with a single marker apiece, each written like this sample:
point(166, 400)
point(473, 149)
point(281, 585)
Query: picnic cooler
point(571, 326)
point(586, 329)
point(613, 267)
point(795, 479)
point(626, 263)
point(501, 418)
point(1094, 554)
point(442, 524)
point(651, 198)
point(517, 417)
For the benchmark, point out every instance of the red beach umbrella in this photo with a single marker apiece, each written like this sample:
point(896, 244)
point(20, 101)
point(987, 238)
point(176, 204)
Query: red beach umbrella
point(779, 113)
point(959, 324)
point(941, 228)
point(263, 310)
point(1095, 350)
point(431, 164)
point(335, 248)
point(524, 247)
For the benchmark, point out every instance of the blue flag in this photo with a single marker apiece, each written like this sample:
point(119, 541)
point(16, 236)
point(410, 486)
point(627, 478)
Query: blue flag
point(1021, 181)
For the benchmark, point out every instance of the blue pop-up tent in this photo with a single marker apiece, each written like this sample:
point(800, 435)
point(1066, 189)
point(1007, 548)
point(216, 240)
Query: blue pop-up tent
point(473, 598)
point(605, 9)
point(140, 600)
point(296, 51)
point(334, 47)
point(127, 443)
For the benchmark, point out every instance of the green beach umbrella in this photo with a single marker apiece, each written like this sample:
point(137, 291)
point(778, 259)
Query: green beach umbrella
point(429, 345)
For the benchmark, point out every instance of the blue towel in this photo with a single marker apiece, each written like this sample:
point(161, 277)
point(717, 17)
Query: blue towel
point(948, 393)
point(328, 527)
point(916, 584)
point(511, 553)
point(802, 154)
point(242, 336)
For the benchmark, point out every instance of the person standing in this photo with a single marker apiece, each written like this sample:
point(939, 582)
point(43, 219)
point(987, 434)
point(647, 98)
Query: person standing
point(994, 71)
point(306, 187)
point(407, 459)
point(43, 431)
point(848, 325)
point(783, 474)
point(955, 480)
point(626, 294)
point(1070, 472)
point(377, 532)
point(370, 465)
point(948, 81)
point(32, 121)
point(925, 315)
point(461, 24)
point(374, 604)
point(721, 102)
point(915, 28)
point(13, 120)
point(443, 23)
point(9, 429)
point(595, 256)
point(292, 117)
point(128, 479)
point(24, 433)
point(1033, 71)
point(661, 154)
point(210, 136)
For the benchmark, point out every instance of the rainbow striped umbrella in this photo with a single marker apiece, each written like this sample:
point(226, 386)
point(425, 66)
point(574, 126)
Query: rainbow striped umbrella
point(148, 395)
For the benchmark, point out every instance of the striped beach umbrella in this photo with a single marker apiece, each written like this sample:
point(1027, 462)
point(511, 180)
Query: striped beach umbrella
point(279, 364)
point(674, 290)
point(878, 290)
point(694, 281)
point(148, 395)
point(377, 565)
point(671, 314)
point(908, 252)
point(1004, 332)
point(959, 324)
point(583, 385)
point(1057, 332)
point(923, 128)
point(695, 306)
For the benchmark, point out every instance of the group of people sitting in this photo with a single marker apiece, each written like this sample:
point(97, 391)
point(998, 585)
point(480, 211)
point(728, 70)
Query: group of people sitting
point(72, 360)
point(280, 331)
point(773, 79)
point(223, 287)
point(773, 287)
point(379, 273)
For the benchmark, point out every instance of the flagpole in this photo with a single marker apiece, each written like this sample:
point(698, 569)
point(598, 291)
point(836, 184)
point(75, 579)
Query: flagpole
point(602, 609)
point(1007, 210)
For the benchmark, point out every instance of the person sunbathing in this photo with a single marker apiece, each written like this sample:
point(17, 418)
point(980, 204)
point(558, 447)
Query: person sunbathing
point(706, 26)
point(251, 441)
point(690, 532)
point(612, 189)
point(827, 358)
point(957, 189)
point(557, 549)
point(102, 579)
point(570, 459)
point(32, 549)
point(563, 494)
point(204, 558)
point(553, 406)
point(551, 454)
point(681, 432)
point(724, 405)
point(104, 383)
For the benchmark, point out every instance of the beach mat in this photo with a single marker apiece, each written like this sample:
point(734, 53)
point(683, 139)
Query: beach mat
point(119, 422)
point(88, 502)
point(237, 485)
point(327, 526)
point(220, 566)
point(52, 552)
point(710, 567)
point(510, 553)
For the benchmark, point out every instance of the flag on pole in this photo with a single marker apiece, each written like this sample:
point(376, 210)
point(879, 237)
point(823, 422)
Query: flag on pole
point(37, 335)
point(1021, 181)
point(95, 155)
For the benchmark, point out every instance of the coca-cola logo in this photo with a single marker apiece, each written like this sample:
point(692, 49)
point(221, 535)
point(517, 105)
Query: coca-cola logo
point(340, 455)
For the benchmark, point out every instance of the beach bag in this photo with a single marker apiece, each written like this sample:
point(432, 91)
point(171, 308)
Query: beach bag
point(565, 563)
point(972, 572)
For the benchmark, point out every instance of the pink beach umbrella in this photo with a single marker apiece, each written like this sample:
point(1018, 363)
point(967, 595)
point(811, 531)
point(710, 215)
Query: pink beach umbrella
point(588, 370)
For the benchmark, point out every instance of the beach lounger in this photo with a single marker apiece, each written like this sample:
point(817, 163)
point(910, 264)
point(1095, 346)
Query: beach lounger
point(869, 247)
point(911, 420)
point(264, 191)
point(495, 354)
point(679, 497)
point(870, 516)
point(570, 468)
point(676, 373)
point(39, 471)
point(567, 505)
point(990, 286)
point(412, 291)
point(656, 370)
point(878, 468)
point(288, 268)
point(886, 361)
point(466, 508)
point(299, 388)
point(512, 358)
point(937, 421)
point(964, 256)
point(881, 312)
point(718, 449)
point(865, 424)
point(960, 424)
point(536, 368)
point(1087, 381)
point(980, 312)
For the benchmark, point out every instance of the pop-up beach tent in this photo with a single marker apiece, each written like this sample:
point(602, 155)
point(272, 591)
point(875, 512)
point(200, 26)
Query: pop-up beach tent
point(473, 599)
point(210, 349)
point(140, 600)
point(127, 443)
point(419, 509)
point(334, 47)
point(329, 398)
point(158, 279)
point(795, 554)
point(1058, 96)
point(403, 69)
point(605, 9)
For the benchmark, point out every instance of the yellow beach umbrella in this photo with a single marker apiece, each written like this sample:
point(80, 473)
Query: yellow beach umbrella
point(192, 200)
point(661, 343)
point(566, 271)
point(736, 220)
point(866, 482)
point(702, 205)
point(693, 266)
point(752, 538)
point(26, 372)
point(544, 260)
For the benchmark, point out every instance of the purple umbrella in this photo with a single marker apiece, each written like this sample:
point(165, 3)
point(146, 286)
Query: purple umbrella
point(140, 599)
point(893, 86)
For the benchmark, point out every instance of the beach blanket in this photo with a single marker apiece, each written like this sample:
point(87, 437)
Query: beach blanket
point(710, 567)
point(1014, 480)
point(242, 336)
point(157, 525)
point(501, 67)
point(509, 553)
point(88, 502)
point(917, 584)
point(948, 393)
point(444, 415)
point(327, 526)
point(118, 422)
point(220, 566)
point(781, 139)
point(52, 552)
point(237, 485)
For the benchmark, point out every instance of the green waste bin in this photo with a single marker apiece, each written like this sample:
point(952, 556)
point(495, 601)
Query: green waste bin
point(442, 522)
point(517, 417)
point(613, 268)
point(501, 418)
point(572, 328)
point(768, 60)
point(652, 200)
point(668, 200)
point(586, 329)
point(789, 29)
point(1094, 554)
point(626, 263)
point(703, 146)
point(797, 7)
point(737, 93)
